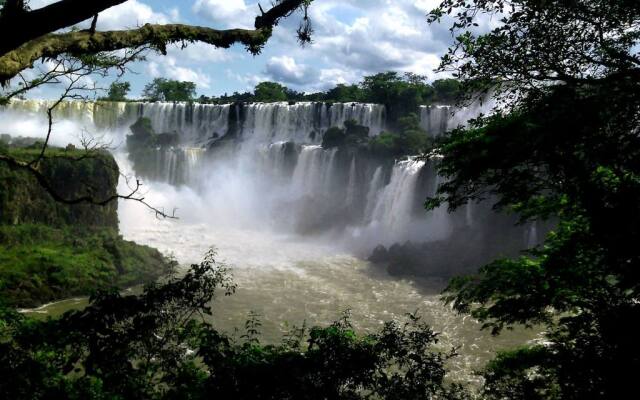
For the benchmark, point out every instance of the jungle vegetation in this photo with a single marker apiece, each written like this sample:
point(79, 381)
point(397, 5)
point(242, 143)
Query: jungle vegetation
point(564, 145)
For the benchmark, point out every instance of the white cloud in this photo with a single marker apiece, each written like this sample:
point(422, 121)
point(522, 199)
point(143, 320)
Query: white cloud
point(200, 52)
point(352, 38)
point(168, 67)
point(331, 77)
point(226, 13)
point(174, 14)
point(153, 69)
point(392, 37)
point(285, 69)
point(248, 80)
point(362, 37)
point(130, 14)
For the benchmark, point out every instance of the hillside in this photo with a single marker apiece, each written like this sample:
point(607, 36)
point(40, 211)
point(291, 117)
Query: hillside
point(49, 250)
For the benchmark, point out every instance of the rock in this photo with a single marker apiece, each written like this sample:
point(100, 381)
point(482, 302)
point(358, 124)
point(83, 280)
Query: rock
point(142, 128)
point(379, 255)
point(167, 139)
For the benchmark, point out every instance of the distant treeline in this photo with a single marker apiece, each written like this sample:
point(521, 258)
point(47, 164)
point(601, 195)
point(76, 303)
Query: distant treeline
point(384, 88)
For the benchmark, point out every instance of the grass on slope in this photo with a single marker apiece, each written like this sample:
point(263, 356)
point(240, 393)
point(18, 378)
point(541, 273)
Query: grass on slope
point(39, 263)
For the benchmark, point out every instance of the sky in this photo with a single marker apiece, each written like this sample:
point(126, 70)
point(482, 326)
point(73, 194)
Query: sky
point(352, 38)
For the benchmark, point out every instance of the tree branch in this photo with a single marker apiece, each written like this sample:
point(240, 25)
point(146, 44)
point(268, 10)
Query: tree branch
point(154, 36)
point(18, 51)
point(19, 28)
point(94, 23)
point(281, 9)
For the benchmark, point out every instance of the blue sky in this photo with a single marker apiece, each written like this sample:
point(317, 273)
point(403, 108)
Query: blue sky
point(352, 38)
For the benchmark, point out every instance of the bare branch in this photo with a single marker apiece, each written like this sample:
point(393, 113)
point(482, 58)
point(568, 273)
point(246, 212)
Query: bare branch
point(43, 181)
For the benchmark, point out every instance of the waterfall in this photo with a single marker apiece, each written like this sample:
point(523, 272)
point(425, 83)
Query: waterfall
point(531, 236)
point(435, 119)
point(176, 166)
point(351, 185)
point(274, 160)
point(468, 214)
point(331, 170)
point(274, 173)
point(301, 122)
point(304, 122)
point(395, 203)
point(372, 194)
point(196, 123)
point(308, 172)
point(390, 215)
point(98, 115)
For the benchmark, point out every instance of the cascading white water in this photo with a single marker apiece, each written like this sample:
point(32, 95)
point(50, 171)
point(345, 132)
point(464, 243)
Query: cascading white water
point(351, 183)
point(301, 122)
point(391, 215)
point(531, 236)
point(304, 122)
point(196, 123)
point(435, 119)
point(468, 210)
point(392, 212)
point(95, 115)
point(307, 178)
point(372, 195)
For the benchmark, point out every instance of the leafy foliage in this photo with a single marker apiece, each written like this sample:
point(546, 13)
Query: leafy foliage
point(269, 91)
point(344, 93)
point(73, 172)
point(566, 148)
point(536, 43)
point(39, 263)
point(333, 137)
point(118, 91)
point(162, 89)
point(152, 346)
point(144, 146)
point(352, 135)
point(571, 157)
point(411, 140)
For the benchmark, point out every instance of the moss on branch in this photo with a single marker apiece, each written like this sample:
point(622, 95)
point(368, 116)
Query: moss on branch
point(154, 36)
